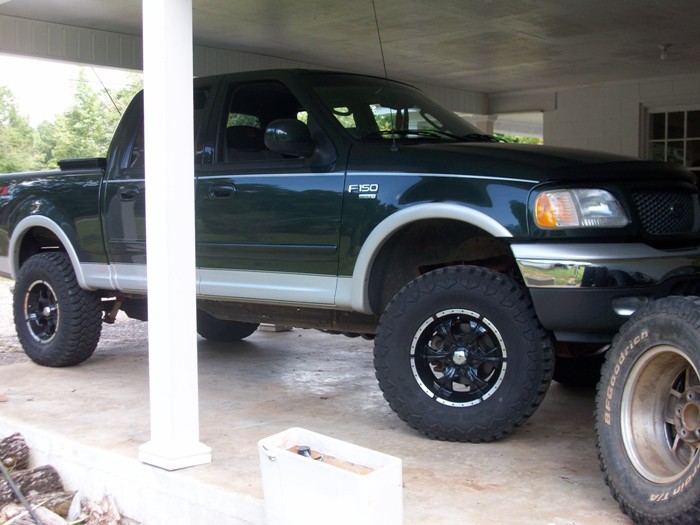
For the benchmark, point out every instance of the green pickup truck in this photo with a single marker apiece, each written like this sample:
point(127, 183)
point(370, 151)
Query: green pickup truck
point(357, 205)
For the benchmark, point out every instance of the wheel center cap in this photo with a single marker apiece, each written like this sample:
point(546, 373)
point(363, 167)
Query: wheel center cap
point(46, 311)
point(687, 416)
point(459, 357)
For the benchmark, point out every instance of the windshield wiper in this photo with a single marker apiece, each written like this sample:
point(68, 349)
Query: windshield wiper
point(481, 137)
point(431, 133)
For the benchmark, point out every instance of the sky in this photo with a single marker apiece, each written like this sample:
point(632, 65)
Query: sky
point(44, 88)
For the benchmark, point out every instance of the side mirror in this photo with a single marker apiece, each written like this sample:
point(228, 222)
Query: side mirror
point(289, 137)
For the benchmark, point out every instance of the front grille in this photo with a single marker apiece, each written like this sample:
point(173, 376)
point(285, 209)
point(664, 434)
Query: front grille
point(665, 213)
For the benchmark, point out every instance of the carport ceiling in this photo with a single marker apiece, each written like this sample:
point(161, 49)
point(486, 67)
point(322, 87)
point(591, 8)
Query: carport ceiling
point(484, 45)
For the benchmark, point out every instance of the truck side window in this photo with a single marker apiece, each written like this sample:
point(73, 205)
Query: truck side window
point(251, 108)
point(137, 157)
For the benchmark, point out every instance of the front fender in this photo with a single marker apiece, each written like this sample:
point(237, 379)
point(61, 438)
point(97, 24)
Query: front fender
point(356, 291)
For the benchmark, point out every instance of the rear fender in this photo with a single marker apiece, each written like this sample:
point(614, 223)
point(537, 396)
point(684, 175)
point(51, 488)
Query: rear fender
point(39, 221)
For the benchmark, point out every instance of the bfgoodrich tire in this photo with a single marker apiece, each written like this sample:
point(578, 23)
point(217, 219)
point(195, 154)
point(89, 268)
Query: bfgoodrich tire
point(222, 331)
point(58, 323)
point(461, 356)
point(648, 414)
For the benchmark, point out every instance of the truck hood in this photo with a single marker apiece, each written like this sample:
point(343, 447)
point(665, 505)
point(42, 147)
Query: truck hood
point(529, 162)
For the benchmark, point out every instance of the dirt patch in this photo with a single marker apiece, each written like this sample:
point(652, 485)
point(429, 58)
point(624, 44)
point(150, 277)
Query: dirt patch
point(10, 349)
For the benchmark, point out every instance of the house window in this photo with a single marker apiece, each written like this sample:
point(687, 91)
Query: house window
point(674, 136)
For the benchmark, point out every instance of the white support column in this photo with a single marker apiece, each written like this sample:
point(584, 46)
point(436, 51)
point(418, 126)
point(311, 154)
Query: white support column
point(172, 339)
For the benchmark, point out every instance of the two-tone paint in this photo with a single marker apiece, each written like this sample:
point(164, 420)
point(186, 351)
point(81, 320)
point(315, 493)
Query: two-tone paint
point(343, 229)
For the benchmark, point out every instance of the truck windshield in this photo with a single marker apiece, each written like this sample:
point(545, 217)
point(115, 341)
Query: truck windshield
point(372, 109)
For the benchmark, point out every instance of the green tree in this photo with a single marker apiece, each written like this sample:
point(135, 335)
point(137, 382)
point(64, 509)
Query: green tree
point(47, 143)
point(82, 130)
point(86, 128)
point(518, 139)
point(18, 141)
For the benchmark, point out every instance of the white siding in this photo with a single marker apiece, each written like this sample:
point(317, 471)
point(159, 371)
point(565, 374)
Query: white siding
point(72, 44)
point(609, 117)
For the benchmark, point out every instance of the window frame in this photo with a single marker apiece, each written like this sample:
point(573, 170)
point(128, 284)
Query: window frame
point(650, 140)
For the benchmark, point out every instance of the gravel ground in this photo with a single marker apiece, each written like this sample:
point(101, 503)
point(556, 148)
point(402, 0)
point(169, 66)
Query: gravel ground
point(125, 331)
point(10, 349)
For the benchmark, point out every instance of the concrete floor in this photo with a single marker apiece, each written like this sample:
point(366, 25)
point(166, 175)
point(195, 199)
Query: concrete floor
point(89, 420)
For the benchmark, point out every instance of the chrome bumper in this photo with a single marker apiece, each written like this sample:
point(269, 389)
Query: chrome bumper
point(585, 292)
point(602, 265)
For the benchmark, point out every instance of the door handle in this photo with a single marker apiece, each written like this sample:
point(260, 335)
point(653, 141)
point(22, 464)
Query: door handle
point(222, 191)
point(128, 193)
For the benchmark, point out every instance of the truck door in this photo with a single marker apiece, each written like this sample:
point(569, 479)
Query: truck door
point(124, 205)
point(268, 226)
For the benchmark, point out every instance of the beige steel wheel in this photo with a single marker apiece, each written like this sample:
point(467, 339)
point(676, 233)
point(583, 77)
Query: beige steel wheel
point(648, 413)
point(660, 414)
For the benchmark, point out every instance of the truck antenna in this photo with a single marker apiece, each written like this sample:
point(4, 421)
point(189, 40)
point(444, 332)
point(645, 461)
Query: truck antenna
point(394, 145)
point(379, 36)
point(106, 91)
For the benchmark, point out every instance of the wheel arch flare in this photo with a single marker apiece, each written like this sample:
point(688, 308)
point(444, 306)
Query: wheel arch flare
point(359, 293)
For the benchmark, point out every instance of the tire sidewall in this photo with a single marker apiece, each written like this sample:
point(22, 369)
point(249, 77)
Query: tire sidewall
point(637, 495)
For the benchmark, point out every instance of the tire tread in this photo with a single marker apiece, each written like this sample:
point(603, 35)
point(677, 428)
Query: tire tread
point(511, 297)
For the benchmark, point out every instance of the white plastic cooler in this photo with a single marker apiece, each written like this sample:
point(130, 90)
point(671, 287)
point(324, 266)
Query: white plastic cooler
point(348, 485)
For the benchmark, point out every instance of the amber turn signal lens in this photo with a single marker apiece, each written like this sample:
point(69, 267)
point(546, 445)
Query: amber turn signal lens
point(555, 209)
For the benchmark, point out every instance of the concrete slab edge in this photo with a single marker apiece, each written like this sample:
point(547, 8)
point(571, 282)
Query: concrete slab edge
point(144, 494)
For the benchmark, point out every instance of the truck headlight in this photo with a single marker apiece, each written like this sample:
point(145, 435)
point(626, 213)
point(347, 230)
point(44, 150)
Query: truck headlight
point(578, 208)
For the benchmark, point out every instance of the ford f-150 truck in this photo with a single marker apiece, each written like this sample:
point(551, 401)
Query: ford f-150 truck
point(357, 205)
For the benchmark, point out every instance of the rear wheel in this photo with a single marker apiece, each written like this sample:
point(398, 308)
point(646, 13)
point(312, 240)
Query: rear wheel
point(648, 413)
point(583, 371)
point(58, 323)
point(223, 331)
point(461, 356)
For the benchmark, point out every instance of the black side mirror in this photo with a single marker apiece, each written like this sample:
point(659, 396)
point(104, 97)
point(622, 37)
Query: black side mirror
point(289, 137)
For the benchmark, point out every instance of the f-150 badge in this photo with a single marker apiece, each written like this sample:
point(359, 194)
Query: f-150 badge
point(364, 191)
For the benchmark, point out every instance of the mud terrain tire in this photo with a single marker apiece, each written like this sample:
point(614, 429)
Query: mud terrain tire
point(222, 331)
point(461, 356)
point(58, 323)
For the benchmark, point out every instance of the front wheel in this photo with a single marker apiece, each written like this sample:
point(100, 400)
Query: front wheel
point(58, 323)
point(648, 413)
point(461, 356)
